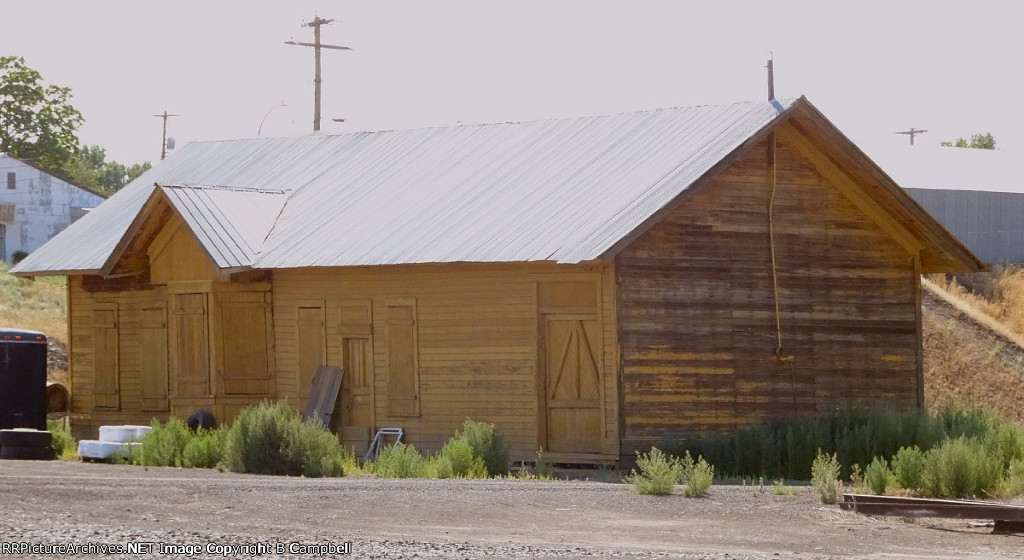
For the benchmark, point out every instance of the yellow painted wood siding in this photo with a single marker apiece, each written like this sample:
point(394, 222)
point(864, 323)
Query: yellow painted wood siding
point(698, 331)
point(131, 332)
point(476, 342)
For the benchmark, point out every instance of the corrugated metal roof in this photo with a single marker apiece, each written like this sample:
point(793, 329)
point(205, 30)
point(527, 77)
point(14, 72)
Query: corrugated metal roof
point(562, 190)
point(230, 223)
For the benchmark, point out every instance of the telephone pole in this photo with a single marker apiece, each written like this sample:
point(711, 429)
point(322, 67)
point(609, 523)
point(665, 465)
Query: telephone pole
point(317, 45)
point(912, 133)
point(163, 145)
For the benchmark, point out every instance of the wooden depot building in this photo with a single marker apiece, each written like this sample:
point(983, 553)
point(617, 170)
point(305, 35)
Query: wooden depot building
point(590, 285)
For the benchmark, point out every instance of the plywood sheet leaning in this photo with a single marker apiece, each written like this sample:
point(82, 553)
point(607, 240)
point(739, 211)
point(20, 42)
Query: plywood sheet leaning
point(324, 395)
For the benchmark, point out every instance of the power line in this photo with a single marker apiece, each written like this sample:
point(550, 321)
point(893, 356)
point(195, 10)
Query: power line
point(317, 45)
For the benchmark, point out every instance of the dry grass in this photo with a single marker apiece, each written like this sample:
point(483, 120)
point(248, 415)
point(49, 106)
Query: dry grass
point(38, 305)
point(968, 363)
point(998, 294)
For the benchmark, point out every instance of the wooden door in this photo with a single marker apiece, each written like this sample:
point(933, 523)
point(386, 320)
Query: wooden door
point(190, 351)
point(357, 386)
point(572, 383)
point(312, 352)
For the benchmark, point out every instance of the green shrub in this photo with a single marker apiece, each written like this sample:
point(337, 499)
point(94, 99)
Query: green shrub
point(1004, 441)
point(456, 460)
point(786, 449)
point(163, 444)
point(542, 467)
point(1013, 484)
point(699, 476)
point(204, 450)
point(658, 473)
point(961, 468)
point(780, 489)
point(857, 480)
point(272, 439)
point(64, 446)
point(488, 444)
point(907, 465)
point(400, 461)
point(825, 478)
point(878, 476)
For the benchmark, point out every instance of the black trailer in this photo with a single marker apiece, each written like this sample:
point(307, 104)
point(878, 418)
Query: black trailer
point(22, 379)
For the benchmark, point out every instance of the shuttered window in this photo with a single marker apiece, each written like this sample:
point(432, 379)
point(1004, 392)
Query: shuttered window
point(403, 377)
point(243, 319)
point(7, 211)
point(190, 351)
point(153, 366)
point(105, 362)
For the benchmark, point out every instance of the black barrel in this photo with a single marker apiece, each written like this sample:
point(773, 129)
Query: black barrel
point(22, 379)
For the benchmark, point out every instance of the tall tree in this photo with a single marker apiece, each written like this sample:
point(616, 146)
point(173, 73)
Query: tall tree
point(37, 122)
point(90, 168)
point(981, 140)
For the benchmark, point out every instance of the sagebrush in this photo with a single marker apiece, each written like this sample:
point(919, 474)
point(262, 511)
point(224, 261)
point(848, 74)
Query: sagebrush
point(658, 473)
point(825, 478)
point(786, 449)
point(164, 444)
point(271, 438)
point(488, 444)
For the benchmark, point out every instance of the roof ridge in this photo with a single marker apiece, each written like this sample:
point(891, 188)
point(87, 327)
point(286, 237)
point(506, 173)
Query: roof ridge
point(258, 190)
point(777, 104)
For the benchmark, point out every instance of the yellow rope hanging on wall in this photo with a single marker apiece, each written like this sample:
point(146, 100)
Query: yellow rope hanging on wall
point(771, 243)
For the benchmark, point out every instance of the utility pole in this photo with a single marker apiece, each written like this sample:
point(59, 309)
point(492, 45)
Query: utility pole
point(317, 45)
point(163, 145)
point(912, 133)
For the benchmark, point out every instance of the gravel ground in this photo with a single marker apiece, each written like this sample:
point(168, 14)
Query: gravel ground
point(76, 503)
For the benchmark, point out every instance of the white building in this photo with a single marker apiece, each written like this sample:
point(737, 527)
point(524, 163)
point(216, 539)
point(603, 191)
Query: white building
point(35, 206)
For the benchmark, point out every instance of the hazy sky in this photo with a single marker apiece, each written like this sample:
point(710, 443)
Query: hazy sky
point(872, 67)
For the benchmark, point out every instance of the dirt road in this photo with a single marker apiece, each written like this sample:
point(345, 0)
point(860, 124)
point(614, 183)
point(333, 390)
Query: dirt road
point(76, 503)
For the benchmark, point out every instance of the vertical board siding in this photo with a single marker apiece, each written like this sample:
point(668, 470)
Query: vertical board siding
point(476, 329)
point(697, 312)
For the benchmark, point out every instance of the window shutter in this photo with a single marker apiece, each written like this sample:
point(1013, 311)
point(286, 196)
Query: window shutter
point(403, 375)
point(105, 355)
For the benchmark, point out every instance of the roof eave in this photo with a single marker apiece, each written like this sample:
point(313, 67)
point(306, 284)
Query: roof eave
point(942, 251)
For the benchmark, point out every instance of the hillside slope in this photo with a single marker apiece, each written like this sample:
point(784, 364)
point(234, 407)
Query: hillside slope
point(38, 305)
point(969, 356)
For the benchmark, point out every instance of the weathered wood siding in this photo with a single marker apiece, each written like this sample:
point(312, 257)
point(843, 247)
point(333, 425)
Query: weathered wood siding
point(698, 331)
point(474, 331)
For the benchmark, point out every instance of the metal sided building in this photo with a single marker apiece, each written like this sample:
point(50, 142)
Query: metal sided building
point(978, 195)
point(590, 285)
